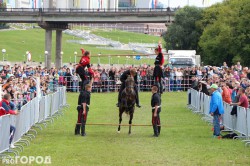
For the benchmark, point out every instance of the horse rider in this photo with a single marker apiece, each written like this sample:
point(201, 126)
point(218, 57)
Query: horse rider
point(132, 72)
point(80, 69)
point(159, 61)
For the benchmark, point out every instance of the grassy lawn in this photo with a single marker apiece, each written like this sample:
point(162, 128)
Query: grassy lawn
point(185, 138)
point(126, 37)
point(19, 41)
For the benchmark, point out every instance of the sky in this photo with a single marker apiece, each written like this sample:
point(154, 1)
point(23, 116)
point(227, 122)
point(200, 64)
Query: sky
point(181, 3)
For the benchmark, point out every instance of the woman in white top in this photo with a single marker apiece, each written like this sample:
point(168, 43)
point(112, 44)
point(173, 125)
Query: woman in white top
point(179, 78)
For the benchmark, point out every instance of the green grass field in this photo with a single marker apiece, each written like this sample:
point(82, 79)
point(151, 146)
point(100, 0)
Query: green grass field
point(126, 37)
point(185, 139)
point(19, 41)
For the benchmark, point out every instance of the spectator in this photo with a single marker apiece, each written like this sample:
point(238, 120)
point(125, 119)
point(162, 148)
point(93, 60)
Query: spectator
point(97, 80)
point(179, 78)
point(238, 66)
point(112, 77)
point(104, 79)
point(216, 109)
point(7, 108)
point(243, 100)
point(226, 96)
point(75, 82)
point(68, 80)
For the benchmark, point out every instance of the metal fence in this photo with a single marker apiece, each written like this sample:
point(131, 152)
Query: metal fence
point(200, 103)
point(113, 85)
point(34, 114)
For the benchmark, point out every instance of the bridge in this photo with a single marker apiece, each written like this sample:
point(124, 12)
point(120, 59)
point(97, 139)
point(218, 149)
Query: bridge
point(58, 19)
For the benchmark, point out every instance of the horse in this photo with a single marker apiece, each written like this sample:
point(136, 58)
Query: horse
point(128, 99)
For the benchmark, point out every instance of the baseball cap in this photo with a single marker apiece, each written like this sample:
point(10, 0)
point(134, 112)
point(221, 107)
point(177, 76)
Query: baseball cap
point(214, 86)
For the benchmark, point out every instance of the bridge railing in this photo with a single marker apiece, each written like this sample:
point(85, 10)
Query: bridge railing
point(92, 10)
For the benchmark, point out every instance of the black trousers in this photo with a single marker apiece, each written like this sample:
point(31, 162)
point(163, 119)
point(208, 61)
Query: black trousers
point(122, 87)
point(83, 121)
point(158, 74)
point(156, 122)
point(81, 72)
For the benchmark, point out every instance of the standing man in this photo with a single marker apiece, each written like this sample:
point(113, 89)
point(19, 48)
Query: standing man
point(243, 100)
point(216, 108)
point(80, 69)
point(156, 109)
point(132, 72)
point(83, 108)
point(159, 61)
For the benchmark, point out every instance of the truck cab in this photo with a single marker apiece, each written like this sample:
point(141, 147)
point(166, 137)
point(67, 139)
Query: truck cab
point(183, 58)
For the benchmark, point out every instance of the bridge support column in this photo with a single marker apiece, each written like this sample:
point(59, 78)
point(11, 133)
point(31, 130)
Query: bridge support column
point(48, 45)
point(58, 58)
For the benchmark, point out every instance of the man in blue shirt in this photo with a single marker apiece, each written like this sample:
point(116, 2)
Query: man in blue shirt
point(216, 108)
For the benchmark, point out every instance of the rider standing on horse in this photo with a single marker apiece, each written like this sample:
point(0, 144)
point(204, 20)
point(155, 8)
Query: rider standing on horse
point(132, 72)
point(80, 69)
point(159, 61)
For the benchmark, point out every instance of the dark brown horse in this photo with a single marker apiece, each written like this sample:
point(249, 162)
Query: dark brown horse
point(128, 98)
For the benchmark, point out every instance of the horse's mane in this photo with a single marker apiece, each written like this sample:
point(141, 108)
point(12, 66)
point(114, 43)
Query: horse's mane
point(129, 82)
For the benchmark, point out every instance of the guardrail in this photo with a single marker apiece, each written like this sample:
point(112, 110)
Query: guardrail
point(112, 85)
point(92, 10)
point(32, 115)
point(200, 103)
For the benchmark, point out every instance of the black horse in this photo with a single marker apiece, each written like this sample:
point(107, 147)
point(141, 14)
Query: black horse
point(128, 99)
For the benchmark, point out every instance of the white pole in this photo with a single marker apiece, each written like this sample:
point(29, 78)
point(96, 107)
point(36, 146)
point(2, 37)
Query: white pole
point(1, 91)
point(38, 88)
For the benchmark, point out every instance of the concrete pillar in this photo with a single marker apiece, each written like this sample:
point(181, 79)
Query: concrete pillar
point(58, 59)
point(48, 45)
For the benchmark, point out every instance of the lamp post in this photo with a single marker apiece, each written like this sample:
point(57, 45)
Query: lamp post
point(75, 53)
point(99, 60)
point(3, 51)
point(46, 54)
point(126, 60)
point(118, 61)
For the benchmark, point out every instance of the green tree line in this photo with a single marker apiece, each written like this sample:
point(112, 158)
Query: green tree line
point(2, 8)
point(220, 33)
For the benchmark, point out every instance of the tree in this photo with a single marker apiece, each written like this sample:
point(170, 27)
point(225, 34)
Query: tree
point(2, 8)
point(183, 33)
point(226, 32)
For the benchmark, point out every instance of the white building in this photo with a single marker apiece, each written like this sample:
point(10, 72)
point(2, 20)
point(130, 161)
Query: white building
point(146, 4)
point(87, 4)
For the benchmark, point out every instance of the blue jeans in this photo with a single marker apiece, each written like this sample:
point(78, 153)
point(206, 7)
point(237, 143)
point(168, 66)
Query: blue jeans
point(12, 132)
point(216, 122)
point(178, 82)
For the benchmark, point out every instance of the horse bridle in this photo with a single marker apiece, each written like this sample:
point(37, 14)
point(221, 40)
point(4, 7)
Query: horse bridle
point(129, 86)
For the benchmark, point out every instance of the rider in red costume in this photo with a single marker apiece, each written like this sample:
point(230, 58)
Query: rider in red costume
point(159, 61)
point(80, 69)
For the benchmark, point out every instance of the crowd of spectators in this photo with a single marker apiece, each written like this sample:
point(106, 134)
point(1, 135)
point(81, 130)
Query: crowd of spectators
point(19, 80)
point(233, 83)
